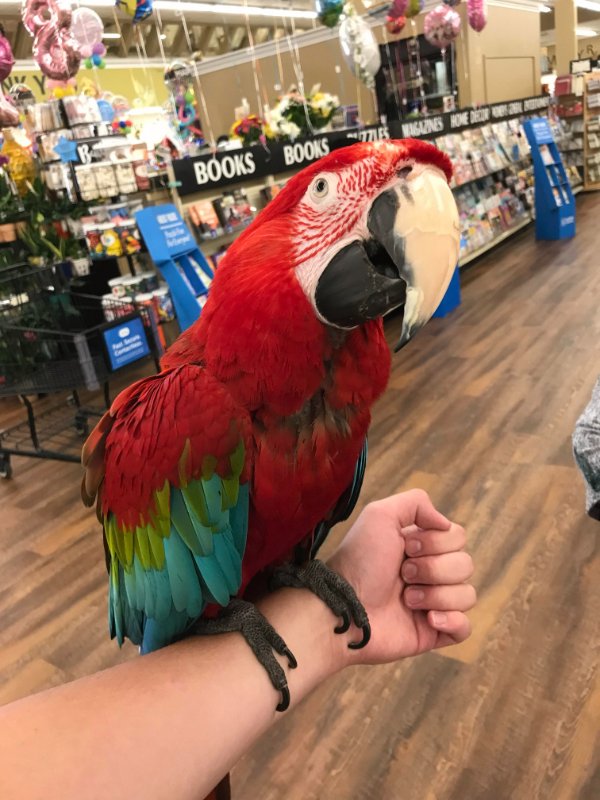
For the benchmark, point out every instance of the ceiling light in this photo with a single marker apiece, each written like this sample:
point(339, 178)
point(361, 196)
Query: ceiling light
point(589, 5)
point(111, 35)
point(535, 8)
point(224, 8)
point(545, 9)
point(585, 33)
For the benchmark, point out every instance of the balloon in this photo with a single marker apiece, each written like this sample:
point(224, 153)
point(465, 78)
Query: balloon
point(394, 25)
point(60, 89)
point(414, 7)
point(9, 115)
point(360, 49)
point(56, 52)
point(329, 11)
point(87, 29)
point(477, 14)
point(398, 8)
point(138, 10)
point(35, 14)
point(6, 56)
point(99, 49)
point(441, 26)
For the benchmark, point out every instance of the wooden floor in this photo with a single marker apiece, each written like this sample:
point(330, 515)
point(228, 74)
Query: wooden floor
point(479, 412)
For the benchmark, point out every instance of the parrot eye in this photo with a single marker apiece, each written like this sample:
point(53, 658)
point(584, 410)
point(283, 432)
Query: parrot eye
point(404, 172)
point(320, 189)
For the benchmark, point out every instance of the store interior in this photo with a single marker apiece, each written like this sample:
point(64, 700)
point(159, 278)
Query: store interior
point(138, 142)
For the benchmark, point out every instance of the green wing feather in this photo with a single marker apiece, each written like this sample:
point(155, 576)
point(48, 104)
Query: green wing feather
point(188, 554)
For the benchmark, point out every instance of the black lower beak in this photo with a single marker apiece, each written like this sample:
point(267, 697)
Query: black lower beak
point(353, 288)
point(362, 281)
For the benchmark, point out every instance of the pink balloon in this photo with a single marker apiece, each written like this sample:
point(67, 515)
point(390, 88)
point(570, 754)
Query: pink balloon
point(441, 26)
point(87, 29)
point(7, 60)
point(56, 52)
point(477, 14)
point(34, 14)
point(398, 9)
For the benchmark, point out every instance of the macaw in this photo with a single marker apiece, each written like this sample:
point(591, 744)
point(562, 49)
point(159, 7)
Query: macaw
point(234, 461)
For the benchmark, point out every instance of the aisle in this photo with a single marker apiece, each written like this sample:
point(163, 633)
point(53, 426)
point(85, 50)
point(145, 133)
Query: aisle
point(479, 412)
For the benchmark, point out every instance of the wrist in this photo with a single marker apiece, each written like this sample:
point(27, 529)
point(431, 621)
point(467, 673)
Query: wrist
point(307, 626)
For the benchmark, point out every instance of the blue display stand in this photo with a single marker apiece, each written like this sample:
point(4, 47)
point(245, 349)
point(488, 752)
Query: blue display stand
point(554, 201)
point(178, 258)
point(451, 299)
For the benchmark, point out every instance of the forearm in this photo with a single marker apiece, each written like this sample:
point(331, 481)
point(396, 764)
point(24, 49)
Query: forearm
point(167, 725)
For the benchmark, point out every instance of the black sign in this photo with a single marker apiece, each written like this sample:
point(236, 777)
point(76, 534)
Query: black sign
point(212, 171)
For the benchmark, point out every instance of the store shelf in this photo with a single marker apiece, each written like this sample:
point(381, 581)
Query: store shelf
point(493, 172)
point(494, 242)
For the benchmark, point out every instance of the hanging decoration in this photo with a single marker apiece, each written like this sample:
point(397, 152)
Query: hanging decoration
point(54, 48)
point(138, 10)
point(442, 26)
point(359, 47)
point(477, 14)
point(396, 18)
point(329, 12)
point(414, 7)
point(87, 29)
point(7, 60)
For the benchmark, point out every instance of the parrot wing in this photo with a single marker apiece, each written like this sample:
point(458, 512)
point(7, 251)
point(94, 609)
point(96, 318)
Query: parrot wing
point(345, 504)
point(168, 464)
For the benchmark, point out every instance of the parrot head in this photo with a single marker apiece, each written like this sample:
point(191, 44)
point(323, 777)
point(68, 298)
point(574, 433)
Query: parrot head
point(369, 228)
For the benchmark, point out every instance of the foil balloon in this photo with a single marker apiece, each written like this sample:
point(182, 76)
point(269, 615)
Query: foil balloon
point(442, 26)
point(396, 18)
point(35, 14)
point(56, 52)
point(9, 114)
point(138, 10)
point(414, 7)
point(7, 60)
point(394, 25)
point(329, 12)
point(87, 29)
point(477, 14)
point(360, 49)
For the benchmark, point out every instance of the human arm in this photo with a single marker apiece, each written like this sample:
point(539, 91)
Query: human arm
point(171, 724)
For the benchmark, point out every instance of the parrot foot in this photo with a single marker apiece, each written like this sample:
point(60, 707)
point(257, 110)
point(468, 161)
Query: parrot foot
point(243, 617)
point(332, 589)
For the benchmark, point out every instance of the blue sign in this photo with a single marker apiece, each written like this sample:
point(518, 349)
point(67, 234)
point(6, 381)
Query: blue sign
point(126, 343)
point(178, 257)
point(166, 235)
point(540, 131)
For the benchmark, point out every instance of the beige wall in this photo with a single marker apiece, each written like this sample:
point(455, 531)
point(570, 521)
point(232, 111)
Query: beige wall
point(504, 59)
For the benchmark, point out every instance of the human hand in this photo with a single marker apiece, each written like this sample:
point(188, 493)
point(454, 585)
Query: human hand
point(407, 565)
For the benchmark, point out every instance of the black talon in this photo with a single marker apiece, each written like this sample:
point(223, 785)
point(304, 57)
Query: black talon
point(292, 663)
point(345, 625)
point(366, 629)
point(285, 699)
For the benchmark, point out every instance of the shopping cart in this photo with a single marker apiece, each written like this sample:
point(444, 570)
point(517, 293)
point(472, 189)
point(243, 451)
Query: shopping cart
point(53, 340)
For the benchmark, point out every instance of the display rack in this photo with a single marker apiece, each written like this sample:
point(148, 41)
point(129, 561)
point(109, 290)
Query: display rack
point(591, 138)
point(554, 201)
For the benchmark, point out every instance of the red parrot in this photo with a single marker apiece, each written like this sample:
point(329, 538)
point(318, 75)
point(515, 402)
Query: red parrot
point(247, 447)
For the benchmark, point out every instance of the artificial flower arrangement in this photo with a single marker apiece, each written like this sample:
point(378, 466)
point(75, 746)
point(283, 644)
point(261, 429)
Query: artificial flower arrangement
point(294, 115)
point(250, 129)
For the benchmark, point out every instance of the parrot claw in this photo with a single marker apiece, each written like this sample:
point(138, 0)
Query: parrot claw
point(243, 617)
point(332, 589)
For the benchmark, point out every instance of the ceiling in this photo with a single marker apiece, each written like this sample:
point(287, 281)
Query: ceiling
point(176, 35)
